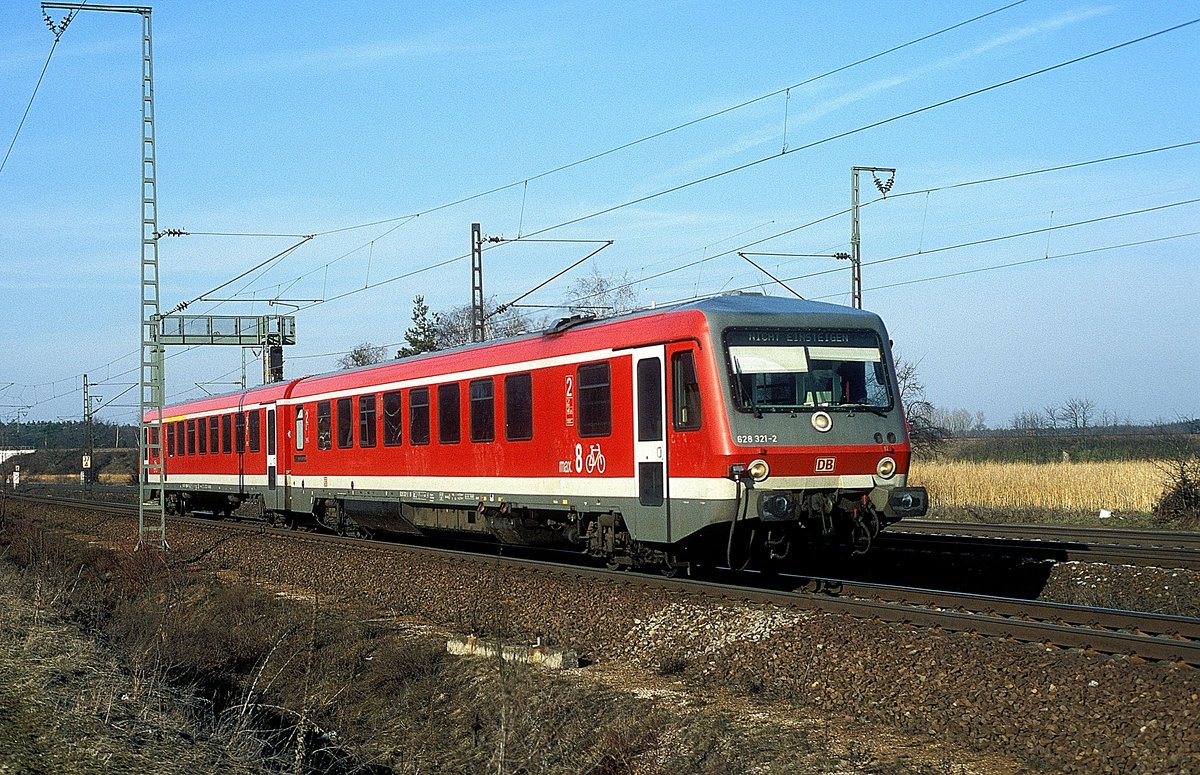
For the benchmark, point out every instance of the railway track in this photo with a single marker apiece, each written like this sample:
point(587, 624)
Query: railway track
point(1159, 548)
point(1147, 636)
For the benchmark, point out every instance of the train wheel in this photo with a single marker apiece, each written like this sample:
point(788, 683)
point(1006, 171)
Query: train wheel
point(671, 566)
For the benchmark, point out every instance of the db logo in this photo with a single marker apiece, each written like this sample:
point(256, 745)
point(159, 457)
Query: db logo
point(825, 465)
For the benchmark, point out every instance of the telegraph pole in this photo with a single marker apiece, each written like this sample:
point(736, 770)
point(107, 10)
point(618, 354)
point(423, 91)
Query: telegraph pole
point(855, 239)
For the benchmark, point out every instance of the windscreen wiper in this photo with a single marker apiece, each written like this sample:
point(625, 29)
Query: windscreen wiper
point(742, 392)
point(866, 408)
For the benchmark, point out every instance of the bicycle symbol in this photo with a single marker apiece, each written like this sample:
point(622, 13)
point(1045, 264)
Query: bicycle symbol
point(594, 462)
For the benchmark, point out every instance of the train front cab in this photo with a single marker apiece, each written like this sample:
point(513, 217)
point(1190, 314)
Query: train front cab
point(819, 441)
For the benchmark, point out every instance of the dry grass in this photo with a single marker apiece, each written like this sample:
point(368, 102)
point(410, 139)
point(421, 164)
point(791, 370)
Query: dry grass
point(1130, 486)
point(103, 478)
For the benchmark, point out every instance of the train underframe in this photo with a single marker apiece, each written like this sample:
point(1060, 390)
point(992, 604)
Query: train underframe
point(765, 530)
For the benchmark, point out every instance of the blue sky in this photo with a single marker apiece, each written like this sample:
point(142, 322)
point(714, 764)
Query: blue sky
point(308, 118)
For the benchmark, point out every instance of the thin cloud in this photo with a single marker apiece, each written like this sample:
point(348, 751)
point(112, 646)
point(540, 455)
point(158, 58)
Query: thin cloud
point(356, 56)
point(773, 132)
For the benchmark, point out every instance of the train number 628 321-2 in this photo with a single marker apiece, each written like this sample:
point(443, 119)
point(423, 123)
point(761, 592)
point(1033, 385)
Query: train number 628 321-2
point(762, 438)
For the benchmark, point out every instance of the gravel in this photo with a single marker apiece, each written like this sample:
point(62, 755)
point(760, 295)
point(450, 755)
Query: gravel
point(1047, 710)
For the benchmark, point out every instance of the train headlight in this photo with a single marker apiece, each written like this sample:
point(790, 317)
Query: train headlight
point(822, 421)
point(758, 470)
point(886, 468)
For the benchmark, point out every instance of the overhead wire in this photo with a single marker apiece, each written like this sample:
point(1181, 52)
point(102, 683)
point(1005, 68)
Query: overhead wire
point(897, 195)
point(524, 182)
point(58, 31)
point(865, 127)
point(714, 256)
point(1011, 264)
point(753, 163)
point(809, 145)
point(692, 122)
point(973, 243)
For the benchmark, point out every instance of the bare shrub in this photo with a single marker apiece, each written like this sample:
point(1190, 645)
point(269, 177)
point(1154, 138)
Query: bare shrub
point(1180, 501)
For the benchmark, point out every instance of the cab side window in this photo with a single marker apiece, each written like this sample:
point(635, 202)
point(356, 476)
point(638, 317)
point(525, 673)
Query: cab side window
point(685, 392)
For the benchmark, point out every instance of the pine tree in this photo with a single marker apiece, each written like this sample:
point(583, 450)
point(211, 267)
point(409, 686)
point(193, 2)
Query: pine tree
point(422, 334)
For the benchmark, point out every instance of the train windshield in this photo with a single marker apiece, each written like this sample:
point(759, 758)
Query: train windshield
point(788, 370)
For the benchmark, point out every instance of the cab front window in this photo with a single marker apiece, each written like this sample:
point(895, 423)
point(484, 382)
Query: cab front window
point(789, 370)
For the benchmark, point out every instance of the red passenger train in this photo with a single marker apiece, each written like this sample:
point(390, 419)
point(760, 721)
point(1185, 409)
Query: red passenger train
point(715, 431)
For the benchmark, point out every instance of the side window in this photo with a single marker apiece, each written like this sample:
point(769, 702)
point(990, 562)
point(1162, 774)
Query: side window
point(595, 400)
point(239, 432)
point(191, 432)
point(518, 407)
point(483, 411)
point(271, 431)
point(448, 414)
point(214, 435)
point(202, 435)
point(685, 392)
point(226, 433)
point(345, 423)
point(393, 421)
point(170, 439)
point(324, 425)
point(418, 416)
point(299, 429)
point(366, 421)
point(255, 428)
point(180, 439)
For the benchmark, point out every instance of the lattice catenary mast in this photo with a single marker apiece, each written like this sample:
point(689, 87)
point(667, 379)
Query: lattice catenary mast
point(152, 383)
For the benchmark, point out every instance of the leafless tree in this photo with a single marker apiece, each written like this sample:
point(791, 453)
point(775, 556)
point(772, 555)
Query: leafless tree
point(1030, 421)
point(958, 422)
point(454, 326)
point(926, 435)
point(1078, 412)
point(602, 295)
point(363, 354)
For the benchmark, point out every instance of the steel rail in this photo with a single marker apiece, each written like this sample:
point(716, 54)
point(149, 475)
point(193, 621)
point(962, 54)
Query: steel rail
point(1118, 536)
point(1063, 544)
point(1155, 637)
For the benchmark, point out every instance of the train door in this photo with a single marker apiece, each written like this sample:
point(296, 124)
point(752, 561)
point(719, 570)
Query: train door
point(650, 445)
point(239, 442)
point(272, 458)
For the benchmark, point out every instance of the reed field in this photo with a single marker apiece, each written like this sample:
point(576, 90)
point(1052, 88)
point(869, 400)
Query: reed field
point(1128, 486)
